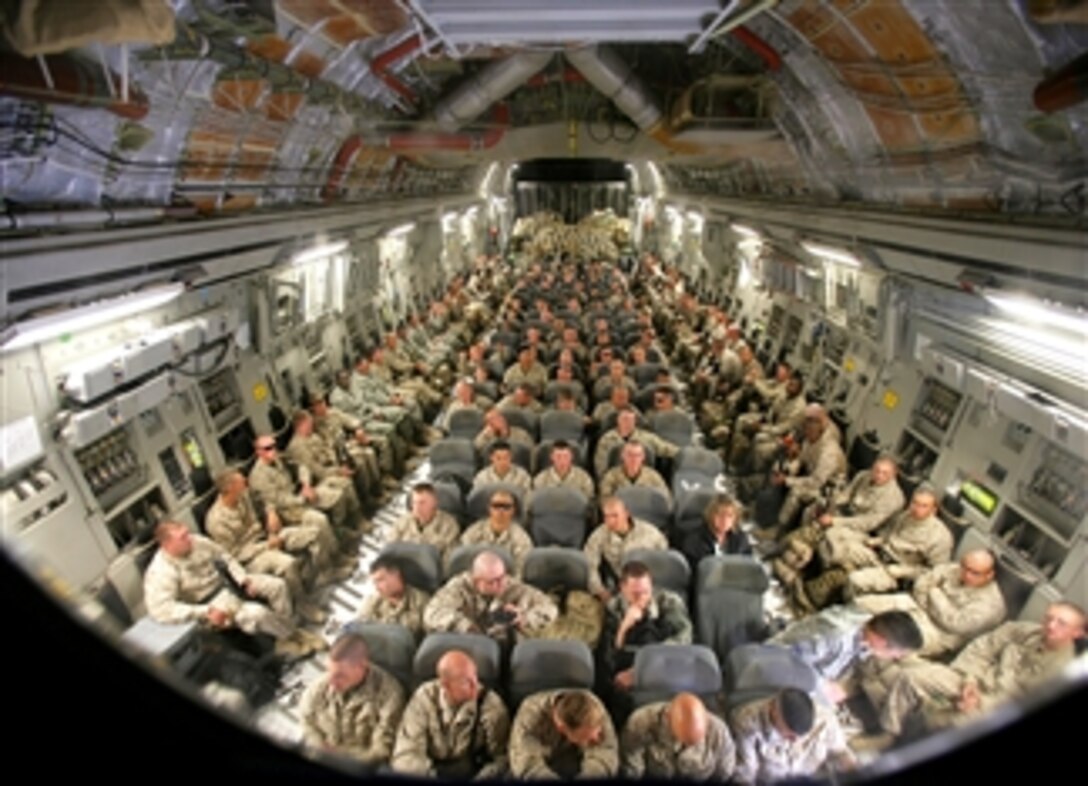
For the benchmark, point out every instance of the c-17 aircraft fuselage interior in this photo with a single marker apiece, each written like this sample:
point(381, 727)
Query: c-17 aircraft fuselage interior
point(214, 209)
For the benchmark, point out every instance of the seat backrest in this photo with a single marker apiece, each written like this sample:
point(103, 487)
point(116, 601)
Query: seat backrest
point(731, 571)
point(669, 569)
point(483, 650)
point(450, 498)
point(461, 558)
point(557, 516)
point(676, 427)
point(392, 646)
point(557, 424)
point(125, 575)
point(465, 423)
point(454, 455)
point(758, 671)
point(650, 504)
point(522, 455)
point(645, 373)
point(663, 670)
point(696, 459)
point(548, 567)
point(420, 564)
point(546, 664)
point(691, 505)
point(523, 420)
point(479, 499)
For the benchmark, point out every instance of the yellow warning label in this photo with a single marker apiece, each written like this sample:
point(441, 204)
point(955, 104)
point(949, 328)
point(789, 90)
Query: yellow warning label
point(849, 365)
point(891, 399)
point(260, 392)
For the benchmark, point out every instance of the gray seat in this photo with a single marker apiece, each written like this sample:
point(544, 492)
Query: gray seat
point(663, 670)
point(645, 373)
point(551, 393)
point(465, 423)
point(675, 427)
point(556, 424)
point(392, 646)
point(669, 569)
point(461, 558)
point(450, 499)
point(545, 664)
point(690, 512)
point(698, 461)
point(420, 563)
point(523, 420)
point(522, 455)
point(757, 671)
point(548, 567)
point(649, 504)
point(479, 498)
point(483, 650)
point(557, 517)
point(455, 456)
point(728, 601)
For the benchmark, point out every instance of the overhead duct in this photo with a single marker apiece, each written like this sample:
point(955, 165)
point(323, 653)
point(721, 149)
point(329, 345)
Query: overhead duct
point(498, 80)
point(607, 72)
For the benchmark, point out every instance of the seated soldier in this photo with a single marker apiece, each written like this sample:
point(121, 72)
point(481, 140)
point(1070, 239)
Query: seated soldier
point(486, 600)
point(871, 498)
point(563, 473)
point(822, 462)
point(677, 739)
point(352, 710)
point(616, 377)
point(564, 734)
point(496, 427)
point(608, 543)
point(523, 398)
point(368, 457)
point(502, 469)
point(638, 615)
point(756, 437)
point(453, 727)
point(464, 397)
point(232, 523)
point(425, 523)
point(721, 535)
point(321, 470)
point(756, 394)
point(193, 579)
point(901, 550)
point(786, 736)
point(633, 471)
point(283, 491)
point(395, 601)
point(1004, 664)
point(619, 399)
point(626, 430)
point(500, 529)
point(951, 603)
point(856, 657)
point(527, 369)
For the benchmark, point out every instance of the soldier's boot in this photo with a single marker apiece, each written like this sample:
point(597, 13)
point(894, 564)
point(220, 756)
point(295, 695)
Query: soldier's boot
point(827, 588)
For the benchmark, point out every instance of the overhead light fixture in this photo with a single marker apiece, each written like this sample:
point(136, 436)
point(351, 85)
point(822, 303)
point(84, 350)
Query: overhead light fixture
point(448, 217)
point(747, 231)
point(39, 329)
point(319, 252)
point(403, 229)
point(1034, 310)
point(831, 253)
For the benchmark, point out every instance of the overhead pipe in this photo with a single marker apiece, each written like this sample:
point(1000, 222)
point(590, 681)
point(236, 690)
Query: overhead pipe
point(69, 81)
point(1068, 87)
point(767, 53)
point(471, 99)
point(379, 66)
point(70, 219)
point(607, 72)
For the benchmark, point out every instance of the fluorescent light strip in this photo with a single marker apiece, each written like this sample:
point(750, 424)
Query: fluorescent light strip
point(403, 229)
point(319, 252)
point(1039, 311)
point(839, 255)
point(39, 329)
point(747, 231)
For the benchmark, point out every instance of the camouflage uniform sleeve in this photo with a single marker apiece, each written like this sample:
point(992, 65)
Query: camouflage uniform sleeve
point(537, 609)
point(495, 729)
point(594, 551)
point(725, 753)
point(745, 738)
point(528, 754)
point(227, 527)
point(391, 706)
point(674, 614)
point(410, 749)
point(603, 759)
point(636, 736)
point(313, 705)
point(161, 596)
point(444, 612)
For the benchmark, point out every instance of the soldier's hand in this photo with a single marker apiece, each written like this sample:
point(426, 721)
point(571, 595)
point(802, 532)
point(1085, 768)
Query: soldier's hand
point(218, 618)
point(308, 493)
point(518, 619)
point(346, 472)
point(825, 520)
point(274, 524)
point(834, 692)
point(625, 679)
point(970, 700)
point(275, 542)
point(603, 595)
point(778, 479)
point(249, 587)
